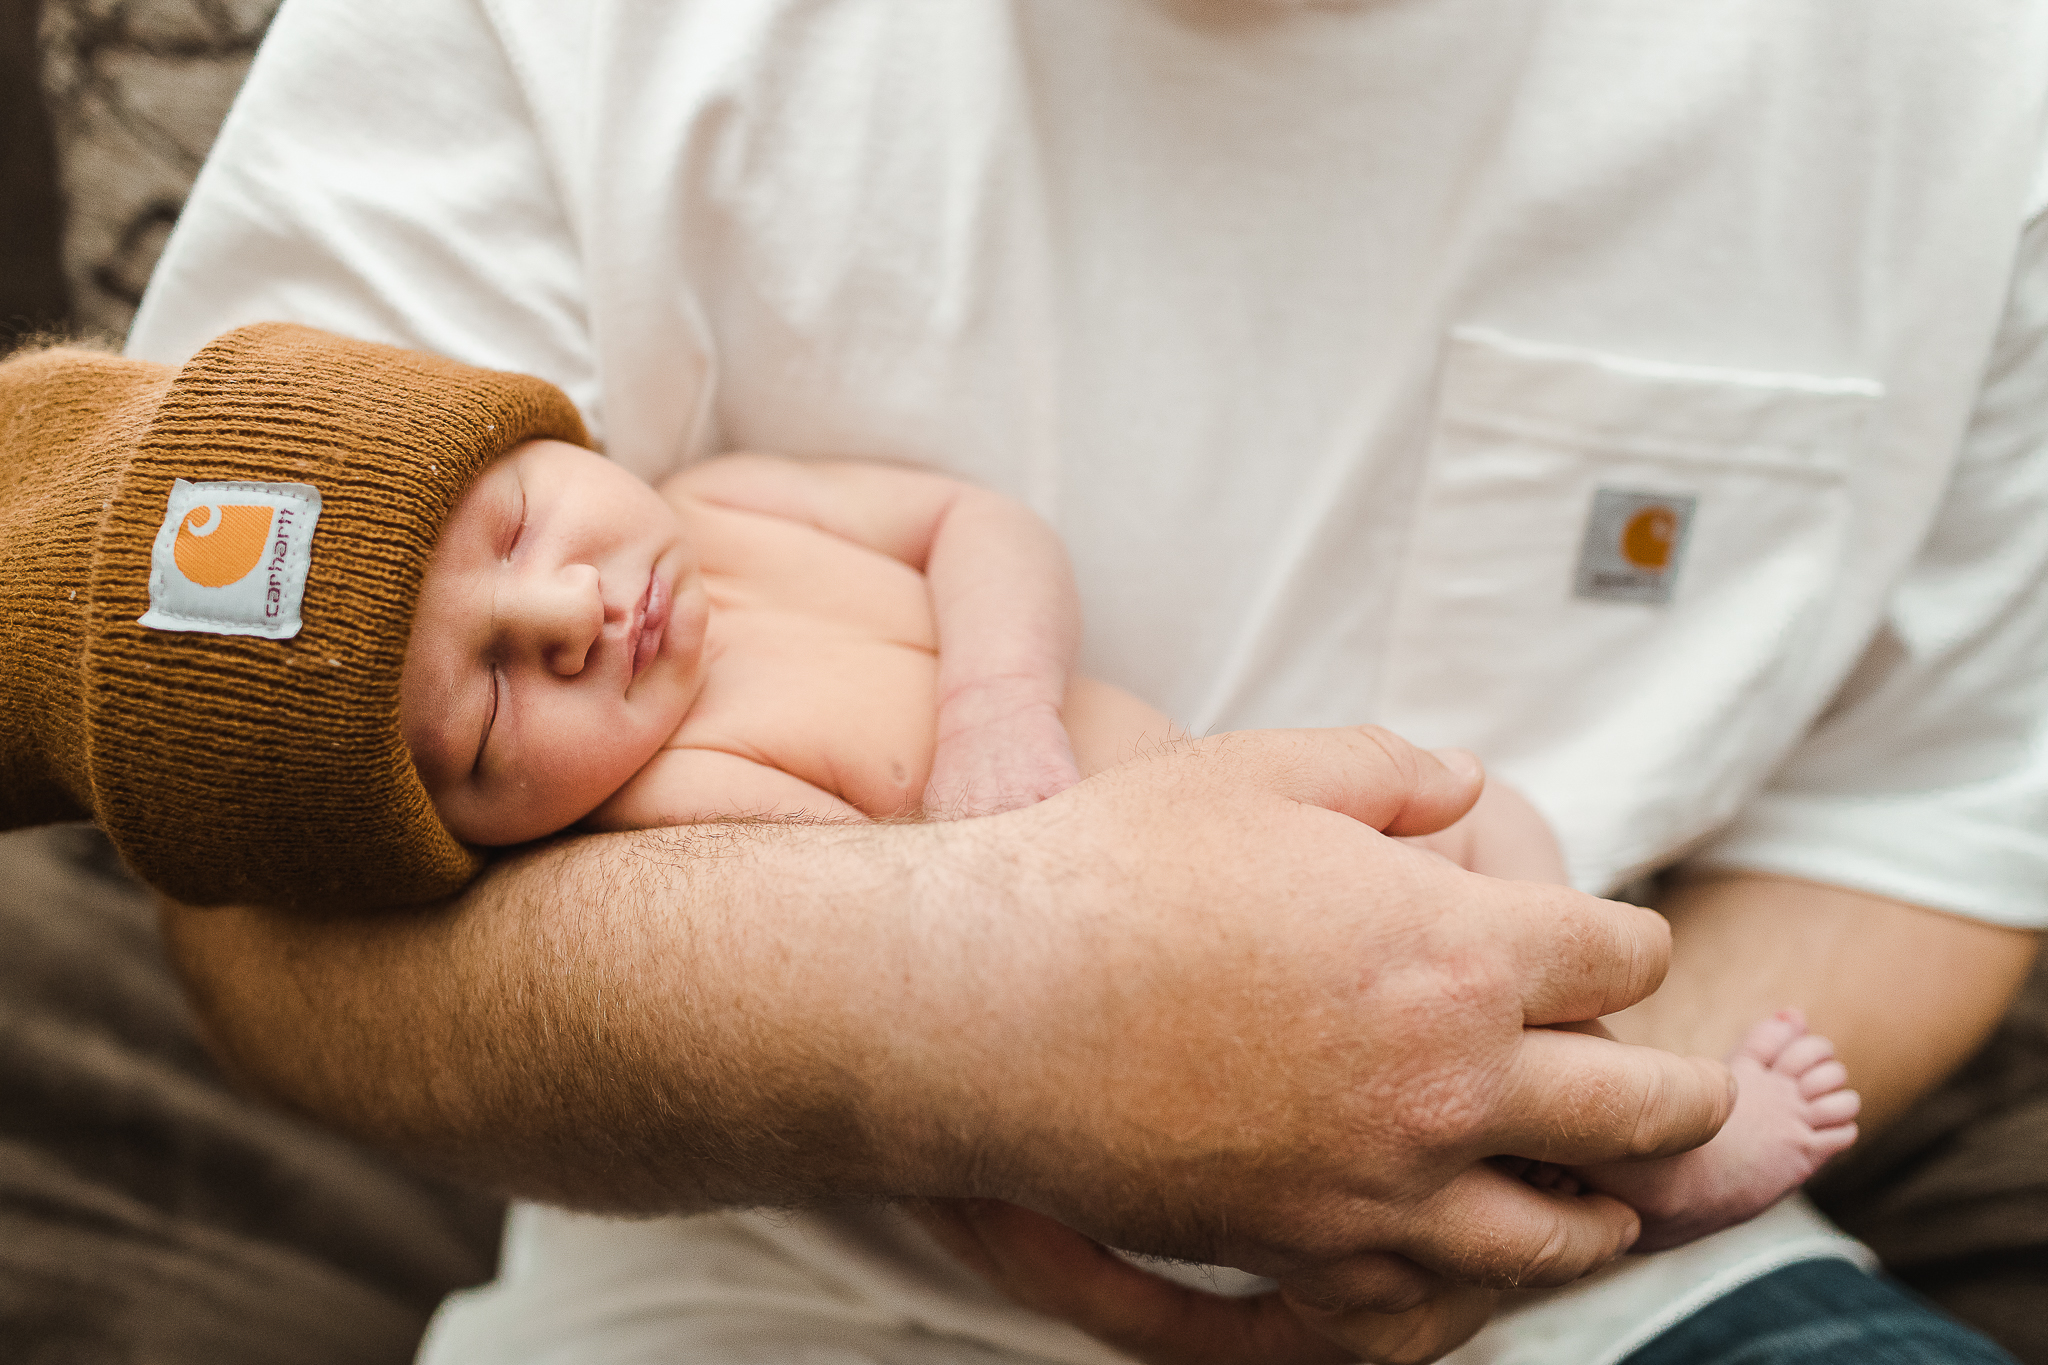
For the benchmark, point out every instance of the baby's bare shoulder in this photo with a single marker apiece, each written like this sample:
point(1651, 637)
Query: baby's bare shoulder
point(741, 475)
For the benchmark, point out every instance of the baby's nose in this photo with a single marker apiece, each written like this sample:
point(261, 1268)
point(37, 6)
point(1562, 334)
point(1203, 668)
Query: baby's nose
point(560, 615)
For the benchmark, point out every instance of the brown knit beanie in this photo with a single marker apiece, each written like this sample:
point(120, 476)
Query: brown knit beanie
point(244, 745)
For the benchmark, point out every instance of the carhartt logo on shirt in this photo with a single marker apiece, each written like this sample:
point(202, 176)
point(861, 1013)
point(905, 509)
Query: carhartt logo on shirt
point(1634, 544)
point(231, 558)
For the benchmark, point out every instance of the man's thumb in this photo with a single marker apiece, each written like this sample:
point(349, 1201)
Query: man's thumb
point(1363, 771)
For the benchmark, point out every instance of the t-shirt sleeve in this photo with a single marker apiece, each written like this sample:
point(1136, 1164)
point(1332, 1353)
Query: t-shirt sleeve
point(381, 175)
point(1927, 779)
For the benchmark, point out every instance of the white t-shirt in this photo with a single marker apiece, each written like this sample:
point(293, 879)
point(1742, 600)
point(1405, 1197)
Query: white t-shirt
point(1649, 397)
point(1319, 331)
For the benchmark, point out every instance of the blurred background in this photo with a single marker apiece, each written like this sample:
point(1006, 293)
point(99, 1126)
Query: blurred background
point(107, 108)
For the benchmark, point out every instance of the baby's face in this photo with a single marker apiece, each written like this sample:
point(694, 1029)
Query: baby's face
point(556, 644)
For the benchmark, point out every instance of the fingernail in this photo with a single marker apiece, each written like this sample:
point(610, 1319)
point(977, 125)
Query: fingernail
point(1463, 762)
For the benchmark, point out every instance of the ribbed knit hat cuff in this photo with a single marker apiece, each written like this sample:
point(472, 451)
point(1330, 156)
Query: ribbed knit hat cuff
point(69, 420)
point(228, 768)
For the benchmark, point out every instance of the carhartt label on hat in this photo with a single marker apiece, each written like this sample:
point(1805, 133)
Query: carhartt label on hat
point(231, 558)
point(1634, 544)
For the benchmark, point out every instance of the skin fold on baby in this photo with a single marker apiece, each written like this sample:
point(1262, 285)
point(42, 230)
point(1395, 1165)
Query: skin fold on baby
point(768, 638)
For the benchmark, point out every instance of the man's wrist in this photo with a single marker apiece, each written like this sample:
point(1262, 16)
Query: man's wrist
point(957, 1025)
point(913, 996)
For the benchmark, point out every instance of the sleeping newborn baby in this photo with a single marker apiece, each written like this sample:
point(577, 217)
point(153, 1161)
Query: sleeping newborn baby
point(765, 638)
point(761, 637)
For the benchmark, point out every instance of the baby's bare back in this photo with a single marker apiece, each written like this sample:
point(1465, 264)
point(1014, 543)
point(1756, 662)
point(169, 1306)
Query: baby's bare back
point(819, 692)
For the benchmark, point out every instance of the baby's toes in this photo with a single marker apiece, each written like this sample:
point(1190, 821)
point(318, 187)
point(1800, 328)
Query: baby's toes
point(1803, 1054)
point(1834, 1110)
point(1825, 1143)
point(1828, 1075)
point(1770, 1037)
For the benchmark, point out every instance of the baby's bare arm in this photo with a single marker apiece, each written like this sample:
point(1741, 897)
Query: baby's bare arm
point(1002, 596)
point(686, 786)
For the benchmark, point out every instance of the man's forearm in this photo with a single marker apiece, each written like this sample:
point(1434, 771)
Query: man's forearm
point(647, 1022)
point(1197, 1005)
point(1906, 993)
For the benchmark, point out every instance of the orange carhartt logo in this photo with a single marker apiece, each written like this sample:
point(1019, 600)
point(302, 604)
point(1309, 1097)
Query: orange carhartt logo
point(1635, 540)
point(232, 558)
point(1646, 540)
point(218, 545)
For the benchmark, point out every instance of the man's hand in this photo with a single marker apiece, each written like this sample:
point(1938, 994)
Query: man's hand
point(1056, 1271)
point(1250, 1028)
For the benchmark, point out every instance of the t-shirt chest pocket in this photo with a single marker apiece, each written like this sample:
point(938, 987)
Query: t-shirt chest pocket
point(1614, 571)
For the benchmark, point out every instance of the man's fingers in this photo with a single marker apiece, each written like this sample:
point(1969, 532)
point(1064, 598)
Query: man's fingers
point(1372, 775)
point(1488, 1227)
point(1579, 956)
point(1048, 1267)
point(1382, 1281)
point(1412, 1337)
point(1575, 1099)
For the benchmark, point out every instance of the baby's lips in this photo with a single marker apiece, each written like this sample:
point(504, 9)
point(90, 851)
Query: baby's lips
point(653, 623)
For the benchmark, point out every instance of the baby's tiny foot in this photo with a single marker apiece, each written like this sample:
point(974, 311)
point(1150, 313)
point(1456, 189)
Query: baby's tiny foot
point(1793, 1111)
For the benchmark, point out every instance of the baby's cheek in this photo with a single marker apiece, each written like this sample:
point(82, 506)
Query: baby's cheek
point(589, 764)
